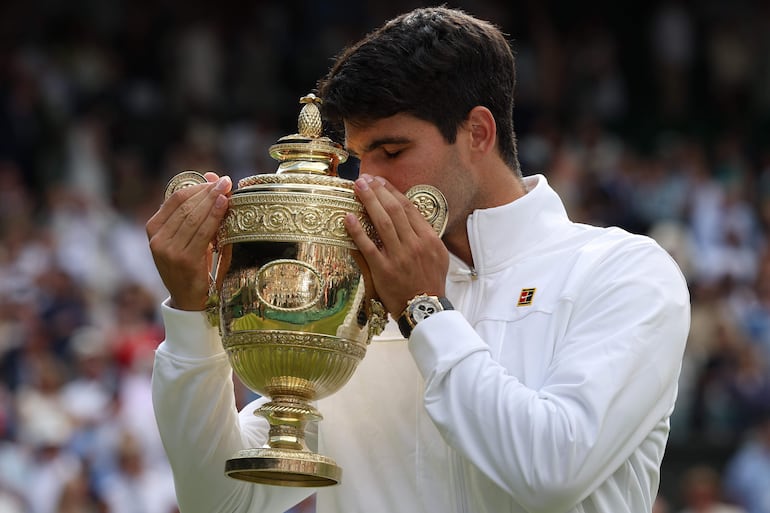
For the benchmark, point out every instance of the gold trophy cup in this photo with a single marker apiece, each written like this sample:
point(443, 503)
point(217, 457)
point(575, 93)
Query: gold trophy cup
point(288, 297)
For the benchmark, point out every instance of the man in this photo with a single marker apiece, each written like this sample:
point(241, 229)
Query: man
point(545, 380)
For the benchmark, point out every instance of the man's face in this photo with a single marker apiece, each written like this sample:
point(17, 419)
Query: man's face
point(408, 151)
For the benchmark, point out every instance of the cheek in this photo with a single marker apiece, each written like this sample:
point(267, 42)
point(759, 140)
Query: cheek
point(460, 193)
point(403, 177)
point(427, 170)
point(403, 183)
point(404, 173)
point(397, 177)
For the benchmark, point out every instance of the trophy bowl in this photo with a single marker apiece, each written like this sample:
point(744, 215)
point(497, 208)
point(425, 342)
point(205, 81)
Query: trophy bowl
point(289, 298)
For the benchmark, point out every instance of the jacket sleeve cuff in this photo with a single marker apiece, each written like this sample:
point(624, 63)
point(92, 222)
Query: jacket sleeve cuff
point(442, 340)
point(189, 334)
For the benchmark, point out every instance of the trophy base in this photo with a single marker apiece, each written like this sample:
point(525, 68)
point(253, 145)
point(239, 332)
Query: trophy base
point(284, 467)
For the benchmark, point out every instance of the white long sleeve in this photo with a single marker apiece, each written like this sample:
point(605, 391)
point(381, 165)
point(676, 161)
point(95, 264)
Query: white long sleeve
point(199, 425)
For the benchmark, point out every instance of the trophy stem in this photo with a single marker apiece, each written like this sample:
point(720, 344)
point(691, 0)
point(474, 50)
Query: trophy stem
point(288, 416)
point(286, 459)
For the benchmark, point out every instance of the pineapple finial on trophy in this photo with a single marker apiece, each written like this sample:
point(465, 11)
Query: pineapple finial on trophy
point(308, 151)
point(309, 123)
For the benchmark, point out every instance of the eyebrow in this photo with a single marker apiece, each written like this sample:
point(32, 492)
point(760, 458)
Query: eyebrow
point(380, 142)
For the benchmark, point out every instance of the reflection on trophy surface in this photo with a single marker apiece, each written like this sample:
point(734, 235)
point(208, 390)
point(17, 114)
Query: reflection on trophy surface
point(288, 297)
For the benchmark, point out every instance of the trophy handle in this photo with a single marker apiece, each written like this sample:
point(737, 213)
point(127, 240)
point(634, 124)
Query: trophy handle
point(182, 180)
point(432, 205)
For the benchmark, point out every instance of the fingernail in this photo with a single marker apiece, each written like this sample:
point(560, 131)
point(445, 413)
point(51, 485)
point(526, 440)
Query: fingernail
point(220, 202)
point(380, 179)
point(363, 183)
point(222, 184)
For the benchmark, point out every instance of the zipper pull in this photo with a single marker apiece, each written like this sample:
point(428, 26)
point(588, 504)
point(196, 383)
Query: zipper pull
point(465, 273)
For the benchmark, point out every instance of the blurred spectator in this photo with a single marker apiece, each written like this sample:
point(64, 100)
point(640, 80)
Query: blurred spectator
point(701, 490)
point(199, 65)
point(62, 308)
point(87, 154)
point(133, 337)
point(747, 475)
point(51, 469)
point(713, 334)
point(716, 415)
point(87, 396)
point(673, 54)
point(90, 399)
point(10, 503)
point(729, 52)
point(42, 417)
point(77, 497)
point(598, 85)
point(15, 459)
point(753, 311)
point(725, 228)
point(135, 332)
point(79, 224)
point(135, 199)
point(661, 505)
point(136, 486)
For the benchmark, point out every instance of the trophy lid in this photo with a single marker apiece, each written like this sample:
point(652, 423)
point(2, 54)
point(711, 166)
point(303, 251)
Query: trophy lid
point(306, 152)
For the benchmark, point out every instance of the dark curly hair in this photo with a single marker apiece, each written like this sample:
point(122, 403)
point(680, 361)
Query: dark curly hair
point(433, 63)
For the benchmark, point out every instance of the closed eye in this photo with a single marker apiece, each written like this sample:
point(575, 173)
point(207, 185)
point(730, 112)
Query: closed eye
point(391, 154)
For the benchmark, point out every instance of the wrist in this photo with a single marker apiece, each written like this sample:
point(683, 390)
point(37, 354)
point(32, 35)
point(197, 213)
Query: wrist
point(187, 306)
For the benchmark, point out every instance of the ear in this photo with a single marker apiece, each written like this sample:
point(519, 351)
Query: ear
point(482, 129)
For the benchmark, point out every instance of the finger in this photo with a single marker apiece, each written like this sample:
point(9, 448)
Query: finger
point(366, 246)
point(385, 211)
point(197, 225)
point(408, 221)
point(179, 197)
point(170, 206)
point(187, 218)
point(366, 274)
point(418, 222)
point(374, 210)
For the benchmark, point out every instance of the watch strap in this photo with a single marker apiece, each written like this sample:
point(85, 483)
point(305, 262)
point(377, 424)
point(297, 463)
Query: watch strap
point(404, 326)
point(445, 303)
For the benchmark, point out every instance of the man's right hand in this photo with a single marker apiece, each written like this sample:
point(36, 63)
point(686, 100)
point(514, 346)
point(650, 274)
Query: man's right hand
point(180, 236)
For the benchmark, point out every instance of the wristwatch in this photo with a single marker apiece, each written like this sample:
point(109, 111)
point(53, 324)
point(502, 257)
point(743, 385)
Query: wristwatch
point(419, 308)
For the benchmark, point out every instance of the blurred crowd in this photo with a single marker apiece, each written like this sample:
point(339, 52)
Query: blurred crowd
point(652, 116)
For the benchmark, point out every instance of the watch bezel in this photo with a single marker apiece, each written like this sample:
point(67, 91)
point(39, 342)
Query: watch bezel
point(416, 312)
point(408, 320)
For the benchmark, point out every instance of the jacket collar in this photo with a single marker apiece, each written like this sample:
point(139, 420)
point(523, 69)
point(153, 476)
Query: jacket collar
point(501, 235)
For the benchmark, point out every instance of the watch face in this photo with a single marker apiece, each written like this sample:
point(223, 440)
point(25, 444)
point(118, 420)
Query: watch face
point(424, 308)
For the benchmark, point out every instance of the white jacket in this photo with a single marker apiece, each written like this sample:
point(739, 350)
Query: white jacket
point(560, 404)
